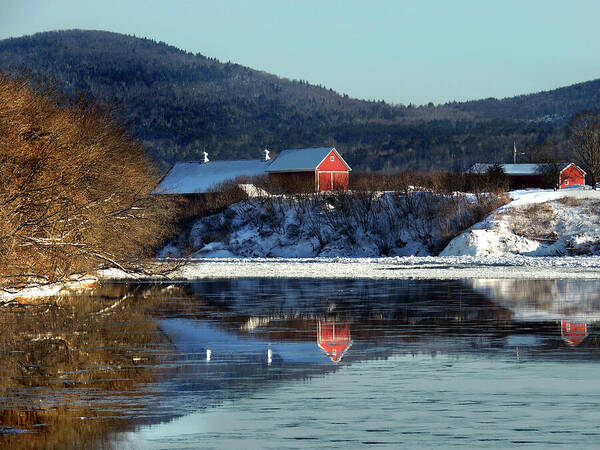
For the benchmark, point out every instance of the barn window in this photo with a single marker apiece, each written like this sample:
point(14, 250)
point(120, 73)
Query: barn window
point(566, 182)
point(332, 158)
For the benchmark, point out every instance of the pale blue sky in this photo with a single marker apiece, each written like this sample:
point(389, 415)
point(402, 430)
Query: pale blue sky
point(399, 51)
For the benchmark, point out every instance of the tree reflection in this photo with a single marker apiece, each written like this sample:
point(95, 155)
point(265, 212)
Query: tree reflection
point(72, 369)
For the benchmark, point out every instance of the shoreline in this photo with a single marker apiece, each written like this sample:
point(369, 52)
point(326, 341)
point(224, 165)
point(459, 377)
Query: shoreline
point(409, 267)
point(442, 268)
point(33, 292)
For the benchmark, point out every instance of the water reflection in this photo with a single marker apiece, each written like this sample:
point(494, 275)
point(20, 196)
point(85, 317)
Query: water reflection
point(334, 339)
point(73, 370)
point(135, 354)
point(573, 333)
point(573, 305)
point(574, 300)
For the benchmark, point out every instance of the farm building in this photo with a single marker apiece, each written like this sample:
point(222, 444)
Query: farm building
point(207, 177)
point(535, 175)
point(571, 175)
point(323, 168)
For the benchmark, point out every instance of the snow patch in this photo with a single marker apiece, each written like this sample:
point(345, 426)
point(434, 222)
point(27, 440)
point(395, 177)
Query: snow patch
point(74, 284)
point(536, 223)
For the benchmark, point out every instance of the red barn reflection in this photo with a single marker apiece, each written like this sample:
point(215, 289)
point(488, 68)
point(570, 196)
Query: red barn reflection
point(334, 339)
point(573, 333)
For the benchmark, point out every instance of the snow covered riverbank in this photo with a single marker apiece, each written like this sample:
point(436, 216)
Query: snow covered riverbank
point(516, 267)
point(429, 267)
point(339, 224)
point(538, 235)
point(35, 291)
point(536, 223)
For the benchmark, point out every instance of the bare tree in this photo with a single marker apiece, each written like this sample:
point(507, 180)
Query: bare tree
point(74, 187)
point(583, 139)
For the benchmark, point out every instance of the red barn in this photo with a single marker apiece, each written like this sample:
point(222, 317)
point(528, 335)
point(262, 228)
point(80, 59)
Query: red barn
point(323, 166)
point(334, 339)
point(571, 175)
point(573, 333)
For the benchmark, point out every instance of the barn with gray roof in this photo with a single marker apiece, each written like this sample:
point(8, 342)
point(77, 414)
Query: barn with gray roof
point(321, 168)
point(536, 175)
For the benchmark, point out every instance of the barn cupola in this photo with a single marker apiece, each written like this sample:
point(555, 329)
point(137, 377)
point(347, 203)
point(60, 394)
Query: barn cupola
point(205, 159)
point(267, 157)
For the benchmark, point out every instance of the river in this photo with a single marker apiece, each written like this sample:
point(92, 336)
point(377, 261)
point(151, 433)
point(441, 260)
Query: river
point(304, 363)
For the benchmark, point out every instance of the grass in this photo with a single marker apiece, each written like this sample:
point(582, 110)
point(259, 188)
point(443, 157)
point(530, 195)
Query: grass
point(535, 221)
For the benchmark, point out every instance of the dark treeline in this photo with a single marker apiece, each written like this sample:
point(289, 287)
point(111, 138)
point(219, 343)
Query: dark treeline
point(181, 104)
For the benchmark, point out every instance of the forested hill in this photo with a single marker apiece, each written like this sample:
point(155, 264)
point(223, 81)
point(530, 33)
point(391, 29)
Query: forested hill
point(557, 105)
point(181, 104)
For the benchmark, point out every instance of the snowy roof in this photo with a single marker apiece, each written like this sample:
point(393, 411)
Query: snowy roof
point(301, 159)
point(198, 178)
point(516, 169)
point(565, 165)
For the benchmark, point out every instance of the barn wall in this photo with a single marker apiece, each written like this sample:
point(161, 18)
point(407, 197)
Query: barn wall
point(293, 182)
point(527, 181)
point(571, 176)
point(340, 181)
point(335, 165)
point(193, 206)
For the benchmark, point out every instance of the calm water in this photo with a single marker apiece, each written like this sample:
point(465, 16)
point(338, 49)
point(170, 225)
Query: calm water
point(305, 363)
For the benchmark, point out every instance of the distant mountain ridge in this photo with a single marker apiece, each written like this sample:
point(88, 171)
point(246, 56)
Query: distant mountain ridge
point(553, 105)
point(181, 104)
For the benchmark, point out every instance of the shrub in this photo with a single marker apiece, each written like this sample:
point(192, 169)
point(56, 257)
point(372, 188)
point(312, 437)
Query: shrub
point(74, 187)
point(535, 221)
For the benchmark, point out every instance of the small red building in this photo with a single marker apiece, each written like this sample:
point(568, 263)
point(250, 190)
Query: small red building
point(573, 333)
point(323, 166)
point(571, 175)
point(334, 339)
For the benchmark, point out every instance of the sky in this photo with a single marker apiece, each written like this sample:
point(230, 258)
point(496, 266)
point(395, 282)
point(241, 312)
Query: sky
point(400, 51)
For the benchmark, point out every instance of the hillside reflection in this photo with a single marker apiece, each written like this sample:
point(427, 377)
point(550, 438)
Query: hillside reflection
point(574, 305)
point(76, 370)
point(544, 299)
